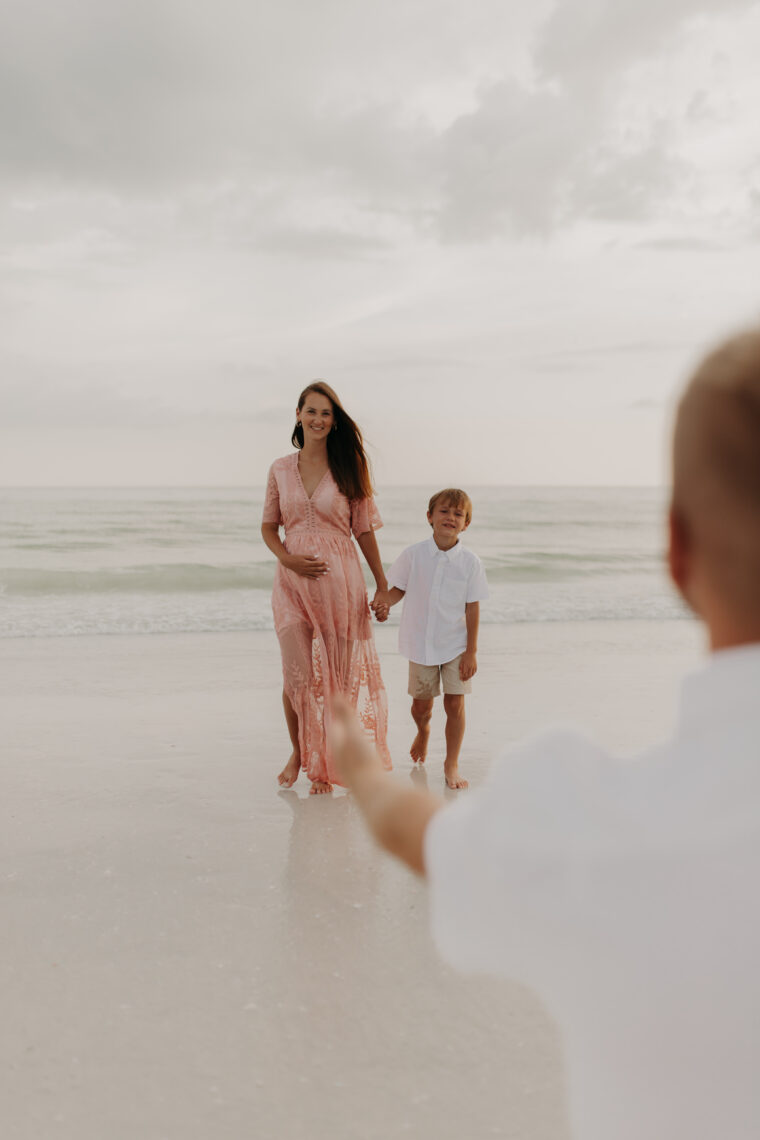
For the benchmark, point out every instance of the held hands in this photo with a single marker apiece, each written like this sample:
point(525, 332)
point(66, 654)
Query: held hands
point(307, 565)
point(379, 605)
point(384, 599)
point(468, 666)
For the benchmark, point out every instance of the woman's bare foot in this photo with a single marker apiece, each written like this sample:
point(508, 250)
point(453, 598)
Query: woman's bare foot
point(418, 751)
point(319, 787)
point(453, 779)
point(289, 774)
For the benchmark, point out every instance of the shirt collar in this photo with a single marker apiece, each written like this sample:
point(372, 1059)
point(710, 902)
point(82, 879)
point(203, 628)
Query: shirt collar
point(727, 687)
point(435, 549)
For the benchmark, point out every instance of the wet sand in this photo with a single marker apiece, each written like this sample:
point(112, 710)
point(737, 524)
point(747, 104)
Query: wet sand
point(190, 953)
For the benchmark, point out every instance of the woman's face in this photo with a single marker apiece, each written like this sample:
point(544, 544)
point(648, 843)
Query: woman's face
point(316, 416)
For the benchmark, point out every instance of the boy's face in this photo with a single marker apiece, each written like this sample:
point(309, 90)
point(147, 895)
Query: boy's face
point(447, 521)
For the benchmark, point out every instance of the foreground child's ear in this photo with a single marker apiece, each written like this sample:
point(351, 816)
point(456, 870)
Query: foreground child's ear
point(679, 552)
point(430, 517)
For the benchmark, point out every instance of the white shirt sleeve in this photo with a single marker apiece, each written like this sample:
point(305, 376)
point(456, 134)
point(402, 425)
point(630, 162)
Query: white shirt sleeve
point(477, 586)
point(398, 575)
point(500, 862)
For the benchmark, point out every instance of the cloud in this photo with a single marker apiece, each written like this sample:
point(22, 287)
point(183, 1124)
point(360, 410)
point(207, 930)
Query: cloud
point(531, 161)
point(91, 93)
point(626, 348)
point(150, 95)
point(667, 244)
point(41, 403)
point(575, 143)
point(648, 405)
point(614, 183)
point(511, 159)
point(585, 43)
point(326, 243)
point(294, 132)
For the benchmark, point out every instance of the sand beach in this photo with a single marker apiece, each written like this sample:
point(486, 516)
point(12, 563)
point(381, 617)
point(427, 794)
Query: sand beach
point(189, 952)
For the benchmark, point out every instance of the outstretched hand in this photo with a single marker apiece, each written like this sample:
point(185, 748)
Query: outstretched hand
point(353, 753)
point(397, 815)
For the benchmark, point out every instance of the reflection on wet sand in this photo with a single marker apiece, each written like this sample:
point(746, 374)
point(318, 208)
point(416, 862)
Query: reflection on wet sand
point(329, 881)
point(368, 1034)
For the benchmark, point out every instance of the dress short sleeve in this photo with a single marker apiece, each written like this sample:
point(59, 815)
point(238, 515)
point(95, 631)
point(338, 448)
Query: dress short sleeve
point(364, 516)
point(271, 512)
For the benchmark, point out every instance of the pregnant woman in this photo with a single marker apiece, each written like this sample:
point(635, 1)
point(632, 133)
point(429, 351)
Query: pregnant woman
point(321, 495)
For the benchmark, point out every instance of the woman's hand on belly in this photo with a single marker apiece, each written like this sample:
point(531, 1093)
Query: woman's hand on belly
point(306, 565)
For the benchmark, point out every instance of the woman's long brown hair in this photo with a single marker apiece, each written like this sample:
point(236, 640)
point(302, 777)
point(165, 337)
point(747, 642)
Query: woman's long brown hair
point(345, 447)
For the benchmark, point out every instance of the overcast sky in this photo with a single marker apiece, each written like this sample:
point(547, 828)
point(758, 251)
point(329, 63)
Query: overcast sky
point(503, 231)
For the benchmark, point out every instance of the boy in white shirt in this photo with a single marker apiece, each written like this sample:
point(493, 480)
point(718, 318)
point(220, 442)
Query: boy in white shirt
point(626, 893)
point(442, 584)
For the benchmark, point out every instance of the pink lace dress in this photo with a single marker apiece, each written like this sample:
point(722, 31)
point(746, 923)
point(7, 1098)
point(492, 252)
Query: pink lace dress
point(323, 624)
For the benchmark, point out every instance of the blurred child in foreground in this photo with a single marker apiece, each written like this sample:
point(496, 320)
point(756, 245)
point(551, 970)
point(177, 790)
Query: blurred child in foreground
point(626, 893)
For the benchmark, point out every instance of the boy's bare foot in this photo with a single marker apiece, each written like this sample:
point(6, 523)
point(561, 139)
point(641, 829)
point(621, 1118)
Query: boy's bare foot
point(418, 751)
point(319, 787)
point(453, 779)
point(289, 774)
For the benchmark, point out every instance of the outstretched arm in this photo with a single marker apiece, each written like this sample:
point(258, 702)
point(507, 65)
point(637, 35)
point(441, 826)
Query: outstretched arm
point(397, 816)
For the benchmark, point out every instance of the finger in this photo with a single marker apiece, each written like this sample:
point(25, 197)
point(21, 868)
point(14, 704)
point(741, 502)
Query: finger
point(337, 735)
point(342, 721)
point(341, 708)
point(344, 714)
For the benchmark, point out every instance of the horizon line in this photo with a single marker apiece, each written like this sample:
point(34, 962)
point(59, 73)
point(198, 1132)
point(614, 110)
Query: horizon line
point(250, 486)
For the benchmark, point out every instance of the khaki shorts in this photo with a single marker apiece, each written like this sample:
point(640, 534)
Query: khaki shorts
point(425, 680)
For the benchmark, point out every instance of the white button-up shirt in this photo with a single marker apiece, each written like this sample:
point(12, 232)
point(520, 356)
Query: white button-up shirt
point(626, 893)
point(437, 585)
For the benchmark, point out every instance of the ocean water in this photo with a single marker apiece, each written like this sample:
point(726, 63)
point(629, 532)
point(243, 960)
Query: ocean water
point(110, 561)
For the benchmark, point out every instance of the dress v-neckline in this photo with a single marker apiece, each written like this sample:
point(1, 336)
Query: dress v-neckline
point(309, 497)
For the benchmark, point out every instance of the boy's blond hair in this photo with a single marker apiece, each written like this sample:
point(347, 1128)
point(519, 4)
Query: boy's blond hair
point(456, 498)
point(716, 467)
